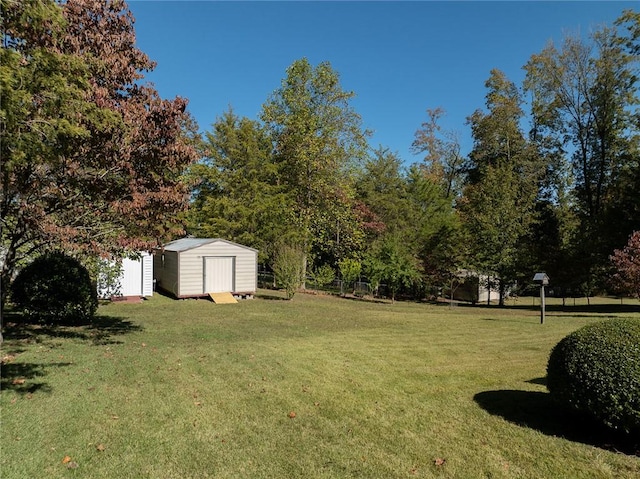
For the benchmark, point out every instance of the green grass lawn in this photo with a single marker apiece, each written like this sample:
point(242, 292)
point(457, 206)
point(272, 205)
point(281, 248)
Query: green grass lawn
point(190, 389)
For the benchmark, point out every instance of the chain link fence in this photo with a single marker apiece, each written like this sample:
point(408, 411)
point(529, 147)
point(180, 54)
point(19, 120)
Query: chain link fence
point(266, 280)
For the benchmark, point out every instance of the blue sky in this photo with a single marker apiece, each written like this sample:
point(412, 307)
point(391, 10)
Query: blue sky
point(399, 58)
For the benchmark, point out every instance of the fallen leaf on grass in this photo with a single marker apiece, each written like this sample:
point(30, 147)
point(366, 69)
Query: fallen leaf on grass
point(66, 460)
point(292, 415)
point(7, 359)
point(198, 403)
point(438, 461)
point(18, 381)
point(100, 447)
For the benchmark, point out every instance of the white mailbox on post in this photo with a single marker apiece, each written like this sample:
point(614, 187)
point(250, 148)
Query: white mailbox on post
point(543, 280)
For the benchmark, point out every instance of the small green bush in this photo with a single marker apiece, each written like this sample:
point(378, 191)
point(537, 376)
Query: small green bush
point(287, 268)
point(55, 288)
point(349, 270)
point(322, 275)
point(596, 369)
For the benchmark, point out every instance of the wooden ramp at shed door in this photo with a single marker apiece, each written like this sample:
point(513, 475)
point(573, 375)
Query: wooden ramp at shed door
point(223, 298)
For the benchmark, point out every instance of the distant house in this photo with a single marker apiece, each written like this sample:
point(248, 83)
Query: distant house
point(195, 267)
point(478, 288)
point(472, 287)
point(127, 278)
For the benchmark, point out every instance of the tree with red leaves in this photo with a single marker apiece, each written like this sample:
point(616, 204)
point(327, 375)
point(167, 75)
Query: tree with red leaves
point(92, 157)
point(627, 264)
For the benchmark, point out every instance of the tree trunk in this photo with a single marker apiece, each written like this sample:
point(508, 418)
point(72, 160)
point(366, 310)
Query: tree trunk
point(303, 279)
point(8, 269)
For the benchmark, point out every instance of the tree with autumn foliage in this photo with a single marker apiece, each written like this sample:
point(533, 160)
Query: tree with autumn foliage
point(442, 153)
point(627, 264)
point(92, 158)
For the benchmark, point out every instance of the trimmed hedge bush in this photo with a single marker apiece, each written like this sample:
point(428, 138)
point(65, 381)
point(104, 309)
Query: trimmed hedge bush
point(55, 288)
point(596, 369)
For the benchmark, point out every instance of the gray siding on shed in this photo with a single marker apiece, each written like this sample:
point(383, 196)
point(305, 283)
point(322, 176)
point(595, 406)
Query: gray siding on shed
point(165, 269)
point(183, 270)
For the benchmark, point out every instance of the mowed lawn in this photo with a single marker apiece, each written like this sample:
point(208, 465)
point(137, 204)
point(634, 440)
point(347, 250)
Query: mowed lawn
point(317, 387)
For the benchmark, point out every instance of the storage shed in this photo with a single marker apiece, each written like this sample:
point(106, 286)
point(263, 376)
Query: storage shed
point(135, 278)
point(194, 267)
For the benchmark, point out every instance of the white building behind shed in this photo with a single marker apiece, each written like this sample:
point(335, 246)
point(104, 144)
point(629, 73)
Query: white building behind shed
point(135, 278)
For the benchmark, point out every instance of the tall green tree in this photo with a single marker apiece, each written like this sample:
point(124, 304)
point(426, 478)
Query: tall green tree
point(381, 186)
point(415, 203)
point(92, 158)
point(503, 183)
point(434, 226)
point(442, 155)
point(340, 232)
point(584, 100)
point(236, 194)
point(317, 137)
point(391, 262)
point(630, 21)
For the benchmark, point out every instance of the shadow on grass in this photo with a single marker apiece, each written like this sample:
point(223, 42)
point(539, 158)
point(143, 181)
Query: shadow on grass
point(537, 410)
point(569, 309)
point(25, 378)
point(366, 299)
point(538, 381)
point(510, 320)
point(271, 296)
point(19, 330)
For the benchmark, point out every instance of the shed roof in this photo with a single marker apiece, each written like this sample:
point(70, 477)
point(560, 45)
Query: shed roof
point(185, 244)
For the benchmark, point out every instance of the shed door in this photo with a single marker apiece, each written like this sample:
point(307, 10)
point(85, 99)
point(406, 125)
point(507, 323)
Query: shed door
point(219, 274)
point(131, 277)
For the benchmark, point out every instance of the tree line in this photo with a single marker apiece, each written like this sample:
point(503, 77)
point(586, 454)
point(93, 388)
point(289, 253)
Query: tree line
point(559, 195)
point(95, 162)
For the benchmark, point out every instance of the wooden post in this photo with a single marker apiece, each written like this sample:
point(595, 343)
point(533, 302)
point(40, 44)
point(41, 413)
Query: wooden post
point(543, 279)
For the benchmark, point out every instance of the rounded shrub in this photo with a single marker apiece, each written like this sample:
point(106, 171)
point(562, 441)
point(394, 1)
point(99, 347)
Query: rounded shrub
point(55, 288)
point(596, 369)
